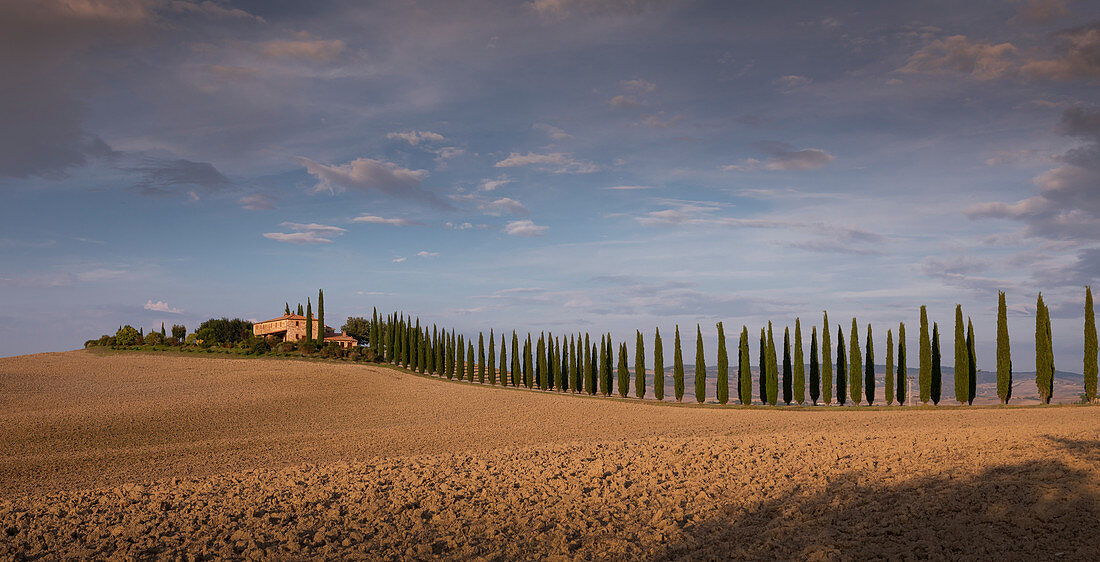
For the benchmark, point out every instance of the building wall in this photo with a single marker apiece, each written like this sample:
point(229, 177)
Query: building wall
point(295, 329)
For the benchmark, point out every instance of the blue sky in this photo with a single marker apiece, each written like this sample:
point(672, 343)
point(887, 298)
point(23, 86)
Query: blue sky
point(567, 165)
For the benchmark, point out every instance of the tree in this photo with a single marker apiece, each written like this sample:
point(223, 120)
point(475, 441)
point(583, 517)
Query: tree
point(869, 369)
point(889, 382)
point(971, 362)
point(162, 332)
point(1044, 352)
point(414, 346)
point(503, 361)
point(815, 374)
point(287, 310)
point(179, 332)
point(516, 370)
point(744, 370)
point(799, 365)
point(222, 330)
point(470, 361)
point(591, 365)
point(481, 358)
point(639, 366)
point(762, 370)
point(962, 366)
point(541, 367)
point(924, 375)
point(788, 384)
point(460, 361)
point(309, 320)
point(528, 364)
point(1090, 371)
point(678, 369)
point(574, 369)
point(492, 360)
point(937, 374)
point(855, 365)
point(608, 366)
point(700, 368)
point(658, 366)
point(1004, 352)
point(623, 371)
point(605, 388)
point(841, 369)
point(773, 369)
point(128, 335)
point(723, 390)
point(826, 363)
point(300, 309)
point(321, 316)
point(903, 370)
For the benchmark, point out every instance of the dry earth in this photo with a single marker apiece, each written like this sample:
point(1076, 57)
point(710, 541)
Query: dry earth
point(133, 455)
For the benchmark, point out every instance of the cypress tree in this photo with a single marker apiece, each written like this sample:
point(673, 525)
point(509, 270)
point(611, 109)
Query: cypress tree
point(815, 373)
point(300, 309)
point(841, 369)
point(516, 370)
point(415, 345)
point(788, 384)
point(503, 361)
point(700, 368)
point(937, 373)
point(593, 366)
point(604, 387)
point(607, 365)
point(587, 367)
point(410, 343)
point(448, 355)
point(528, 364)
point(723, 390)
point(563, 364)
point(574, 372)
point(1090, 371)
point(826, 363)
point(744, 370)
point(773, 369)
point(869, 370)
point(492, 360)
point(624, 372)
point(460, 360)
point(971, 362)
point(1004, 352)
point(373, 330)
point(429, 351)
point(287, 309)
point(309, 320)
point(555, 365)
point(163, 334)
point(481, 358)
point(799, 365)
point(658, 366)
point(470, 361)
point(889, 386)
point(962, 367)
point(902, 379)
point(540, 363)
point(1044, 353)
point(639, 366)
point(763, 368)
point(678, 369)
point(855, 364)
point(321, 315)
point(924, 376)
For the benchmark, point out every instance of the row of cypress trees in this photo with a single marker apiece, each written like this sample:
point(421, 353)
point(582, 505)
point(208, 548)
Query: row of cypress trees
point(574, 363)
point(310, 336)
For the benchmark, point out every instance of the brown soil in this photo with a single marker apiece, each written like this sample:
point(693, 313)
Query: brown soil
point(137, 455)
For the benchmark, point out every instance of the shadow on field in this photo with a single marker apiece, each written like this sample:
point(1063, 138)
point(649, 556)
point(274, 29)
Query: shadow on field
point(1034, 510)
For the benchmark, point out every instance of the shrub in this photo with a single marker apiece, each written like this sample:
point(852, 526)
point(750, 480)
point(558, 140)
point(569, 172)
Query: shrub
point(127, 336)
point(307, 347)
point(224, 330)
point(286, 347)
point(153, 338)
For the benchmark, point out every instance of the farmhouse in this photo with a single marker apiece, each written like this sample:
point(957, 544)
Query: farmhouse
point(289, 327)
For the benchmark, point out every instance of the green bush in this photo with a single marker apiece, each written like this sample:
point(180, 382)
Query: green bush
point(127, 336)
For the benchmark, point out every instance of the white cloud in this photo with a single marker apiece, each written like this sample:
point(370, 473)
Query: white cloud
point(391, 221)
point(161, 306)
point(257, 202)
point(492, 184)
point(416, 137)
point(503, 206)
point(553, 132)
point(306, 233)
point(368, 174)
point(623, 102)
point(427, 254)
point(525, 227)
point(638, 86)
point(556, 162)
point(782, 158)
point(399, 260)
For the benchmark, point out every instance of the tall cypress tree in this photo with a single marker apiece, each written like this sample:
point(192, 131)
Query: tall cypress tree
point(841, 369)
point(574, 371)
point(300, 309)
point(540, 362)
point(744, 370)
point(902, 379)
point(592, 365)
point(855, 366)
point(606, 365)
point(1044, 352)
point(869, 369)
point(639, 366)
point(528, 364)
point(415, 344)
point(773, 369)
point(586, 367)
point(309, 320)
point(723, 390)
point(971, 362)
point(815, 373)
point(623, 372)
point(658, 366)
point(1090, 371)
point(889, 382)
point(1004, 352)
point(788, 383)
point(287, 310)
point(516, 370)
point(321, 316)
point(678, 369)
point(962, 367)
point(763, 368)
point(826, 363)
point(429, 350)
point(924, 376)
point(799, 365)
point(937, 373)
point(470, 361)
point(700, 368)
point(503, 361)
point(604, 387)
point(460, 360)
point(481, 358)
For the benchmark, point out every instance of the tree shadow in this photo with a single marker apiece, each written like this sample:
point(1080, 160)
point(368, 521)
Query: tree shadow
point(1042, 509)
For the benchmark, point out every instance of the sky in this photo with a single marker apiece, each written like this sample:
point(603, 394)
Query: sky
point(561, 165)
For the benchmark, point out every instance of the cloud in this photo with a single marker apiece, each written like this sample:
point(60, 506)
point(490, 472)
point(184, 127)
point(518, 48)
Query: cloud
point(416, 137)
point(638, 86)
point(163, 177)
point(561, 9)
point(64, 278)
point(960, 272)
point(391, 221)
point(833, 247)
point(1040, 11)
point(208, 9)
point(368, 174)
point(525, 228)
point(624, 102)
point(627, 187)
point(655, 121)
point(958, 54)
point(492, 184)
point(257, 202)
point(1079, 56)
point(556, 162)
point(503, 206)
point(790, 83)
point(427, 254)
point(311, 233)
point(552, 131)
point(315, 50)
point(783, 157)
point(399, 260)
point(1068, 204)
point(161, 306)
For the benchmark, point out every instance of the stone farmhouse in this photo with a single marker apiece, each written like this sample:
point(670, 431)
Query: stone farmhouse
point(292, 327)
